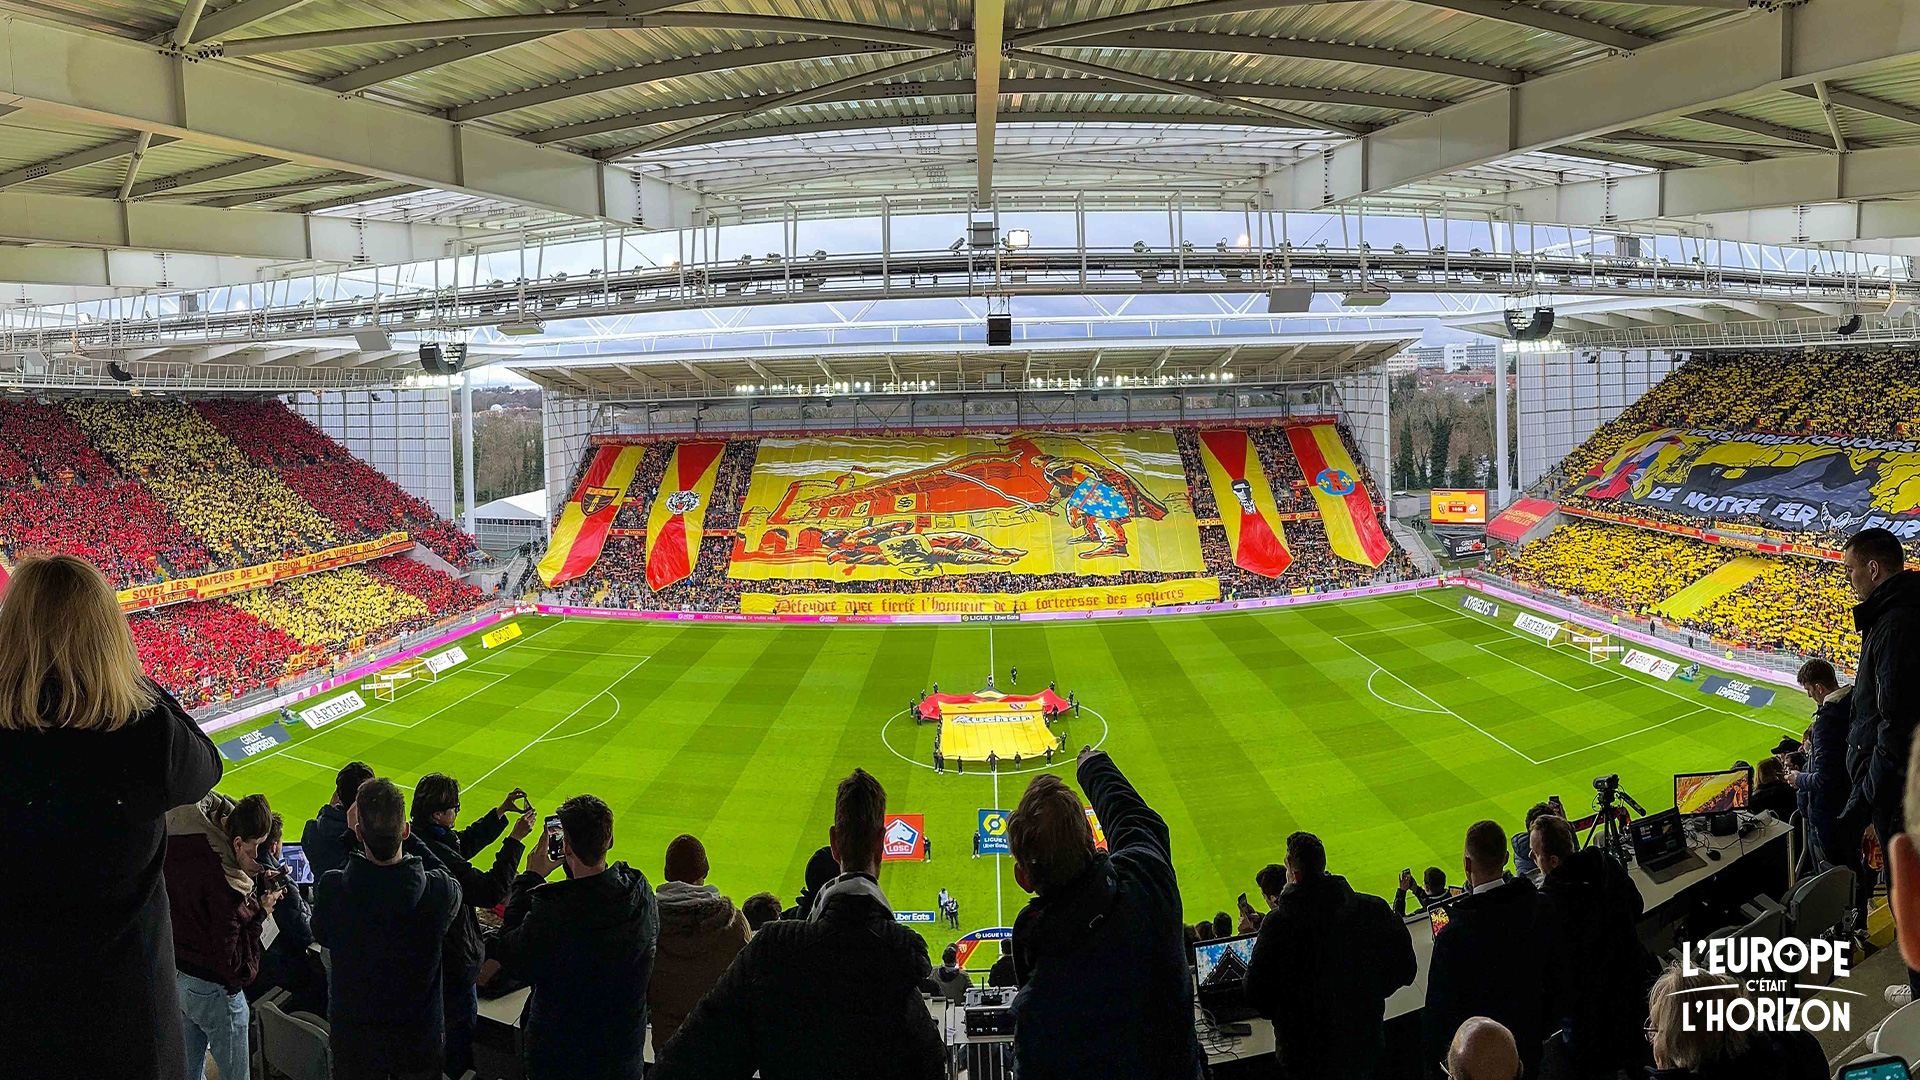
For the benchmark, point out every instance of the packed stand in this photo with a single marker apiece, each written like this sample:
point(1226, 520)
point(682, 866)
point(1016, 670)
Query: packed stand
point(618, 579)
point(442, 594)
point(244, 513)
point(209, 651)
point(360, 501)
point(337, 611)
point(38, 443)
point(1795, 605)
point(1617, 566)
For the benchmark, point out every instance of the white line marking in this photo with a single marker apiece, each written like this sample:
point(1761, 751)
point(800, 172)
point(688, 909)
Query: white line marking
point(999, 909)
point(989, 654)
point(1611, 677)
point(556, 726)
point(1396, 704)
point(1629, 735)
point(1644, 682)
point(1424, 694)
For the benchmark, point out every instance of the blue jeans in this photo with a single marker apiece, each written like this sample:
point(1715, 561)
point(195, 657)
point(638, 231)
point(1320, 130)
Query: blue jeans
point(213, 1020)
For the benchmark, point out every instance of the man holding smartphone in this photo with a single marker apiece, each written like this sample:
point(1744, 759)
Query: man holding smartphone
point(586, 944)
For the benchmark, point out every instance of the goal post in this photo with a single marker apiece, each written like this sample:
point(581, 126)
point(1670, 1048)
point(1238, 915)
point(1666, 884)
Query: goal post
point(402, 678)
point(1597, 646)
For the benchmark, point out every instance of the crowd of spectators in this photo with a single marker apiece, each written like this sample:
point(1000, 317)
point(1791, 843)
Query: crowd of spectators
point(1617, 566)
point(442, 595)
point(618, 579)
point(336, 611)
point(1797, 605)
point(118, 525)
point(209, 651)
point(38, 443)
point(243, 513)
point(359, 500)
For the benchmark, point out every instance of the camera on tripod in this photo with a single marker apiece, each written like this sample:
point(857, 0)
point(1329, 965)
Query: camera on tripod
point(1608, 786)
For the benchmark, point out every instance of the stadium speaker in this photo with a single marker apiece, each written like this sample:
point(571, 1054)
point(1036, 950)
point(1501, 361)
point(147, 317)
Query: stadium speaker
point(118, 373)
point(999, 329)
point(1850, 327)
point(1533, 327)
point(454, 357)
point(373, 339)
point(430, 359)
point(1281, 301)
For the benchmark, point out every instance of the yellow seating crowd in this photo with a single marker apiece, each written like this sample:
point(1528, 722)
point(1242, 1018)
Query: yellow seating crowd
point(1618, 566)
point(333, 609)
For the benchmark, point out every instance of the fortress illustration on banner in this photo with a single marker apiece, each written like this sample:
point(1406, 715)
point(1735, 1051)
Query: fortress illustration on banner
point(860, 507)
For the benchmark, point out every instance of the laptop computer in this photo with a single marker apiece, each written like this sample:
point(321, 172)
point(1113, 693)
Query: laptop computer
point(1220, 977)
point(1660, 846)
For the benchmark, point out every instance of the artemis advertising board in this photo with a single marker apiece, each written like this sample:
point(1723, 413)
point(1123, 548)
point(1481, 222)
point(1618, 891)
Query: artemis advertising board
point(1528, 623)
point(332, 709)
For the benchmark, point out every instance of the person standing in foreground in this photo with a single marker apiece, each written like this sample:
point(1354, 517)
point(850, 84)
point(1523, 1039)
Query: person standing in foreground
point(700, 934)
point(1325, 962)
point(1485, 966)
point(327, 839)
point(384, 918)
point(1822, 783)
point(1099, 952)
point(1886, 690)
point(586, 943)
point(218, 907)
point(92, 756)
point(835, 994)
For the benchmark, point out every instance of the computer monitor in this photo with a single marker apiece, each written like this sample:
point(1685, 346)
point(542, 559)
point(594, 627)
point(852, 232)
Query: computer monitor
point(1220, 977)
point(1713, 792)
point(1659, 836)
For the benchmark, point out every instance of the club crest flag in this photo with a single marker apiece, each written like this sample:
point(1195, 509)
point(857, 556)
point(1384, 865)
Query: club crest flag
point(582, 531)
point(1353, 529)
point(679, 512)
point(1247, 509)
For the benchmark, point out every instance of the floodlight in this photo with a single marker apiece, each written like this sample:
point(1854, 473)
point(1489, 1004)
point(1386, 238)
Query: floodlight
point(1139, 247)
point(1018, 239)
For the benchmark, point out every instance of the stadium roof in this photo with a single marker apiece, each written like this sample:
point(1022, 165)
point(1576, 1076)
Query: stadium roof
point(210, 127)
point(528, 506)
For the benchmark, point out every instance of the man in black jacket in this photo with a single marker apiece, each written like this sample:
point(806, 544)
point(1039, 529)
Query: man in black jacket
point(834, 994)
point(586, 943)
point(1596, 972)
point(383, 918)
point(436, 804)
point(1325, 962)
point(1822, 783)
point(1886, 699)
point(1487, 960)
point(1099, 952)
point(326, 839)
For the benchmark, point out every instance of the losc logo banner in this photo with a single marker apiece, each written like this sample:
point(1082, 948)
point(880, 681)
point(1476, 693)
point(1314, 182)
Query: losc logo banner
point(1760, 984)
point(904, 838)
point(991, 835)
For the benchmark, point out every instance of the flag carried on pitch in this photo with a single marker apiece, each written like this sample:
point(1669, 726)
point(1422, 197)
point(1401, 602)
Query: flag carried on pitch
point(582, 531)
point(1247, 509)
point(680, 511)
point(1353, 529)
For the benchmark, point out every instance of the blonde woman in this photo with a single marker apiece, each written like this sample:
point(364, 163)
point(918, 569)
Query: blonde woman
point(1683, 1047)
point(92, 756)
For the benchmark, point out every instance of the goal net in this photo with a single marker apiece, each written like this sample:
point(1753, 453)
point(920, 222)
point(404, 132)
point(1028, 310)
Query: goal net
point(1596, 645)
point(401, 678)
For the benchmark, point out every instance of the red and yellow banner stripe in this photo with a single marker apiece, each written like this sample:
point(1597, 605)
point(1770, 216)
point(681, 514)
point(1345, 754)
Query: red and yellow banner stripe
point(1353, 529)
point(582, 531)
point(1247, 509)
point(679, 512)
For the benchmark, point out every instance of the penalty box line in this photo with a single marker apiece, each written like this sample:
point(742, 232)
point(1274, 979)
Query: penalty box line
point(1380, 668)
point(1648, 682)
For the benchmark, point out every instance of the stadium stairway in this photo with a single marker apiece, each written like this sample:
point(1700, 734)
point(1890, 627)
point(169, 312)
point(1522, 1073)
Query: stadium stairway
point(1410, 543)
point(1728, 577)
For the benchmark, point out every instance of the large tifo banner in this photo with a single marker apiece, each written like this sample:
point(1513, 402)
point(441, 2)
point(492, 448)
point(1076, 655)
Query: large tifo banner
point(1098, 598)
point(1353, 529)
point(1247, 510)
point(582, 531)
point(680, 512)
point(246, 578)
point(1799, 483)
point(864, 508)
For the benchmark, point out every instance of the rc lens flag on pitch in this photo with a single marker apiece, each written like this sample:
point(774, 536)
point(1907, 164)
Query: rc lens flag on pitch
point(1247, 509)
point(583, 524)
point(1353, 530)
point(679, 511)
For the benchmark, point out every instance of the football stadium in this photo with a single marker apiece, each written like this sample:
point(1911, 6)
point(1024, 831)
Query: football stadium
point(1232, 538)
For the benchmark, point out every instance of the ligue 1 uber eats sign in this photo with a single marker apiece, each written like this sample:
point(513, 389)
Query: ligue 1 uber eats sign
point(1761, 982)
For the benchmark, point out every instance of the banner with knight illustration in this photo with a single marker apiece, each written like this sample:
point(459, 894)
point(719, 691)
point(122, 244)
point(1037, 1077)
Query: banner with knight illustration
point(1796, 483)
point(845, 507)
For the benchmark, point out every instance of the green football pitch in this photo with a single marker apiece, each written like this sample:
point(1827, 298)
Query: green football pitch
point(1385, 725)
